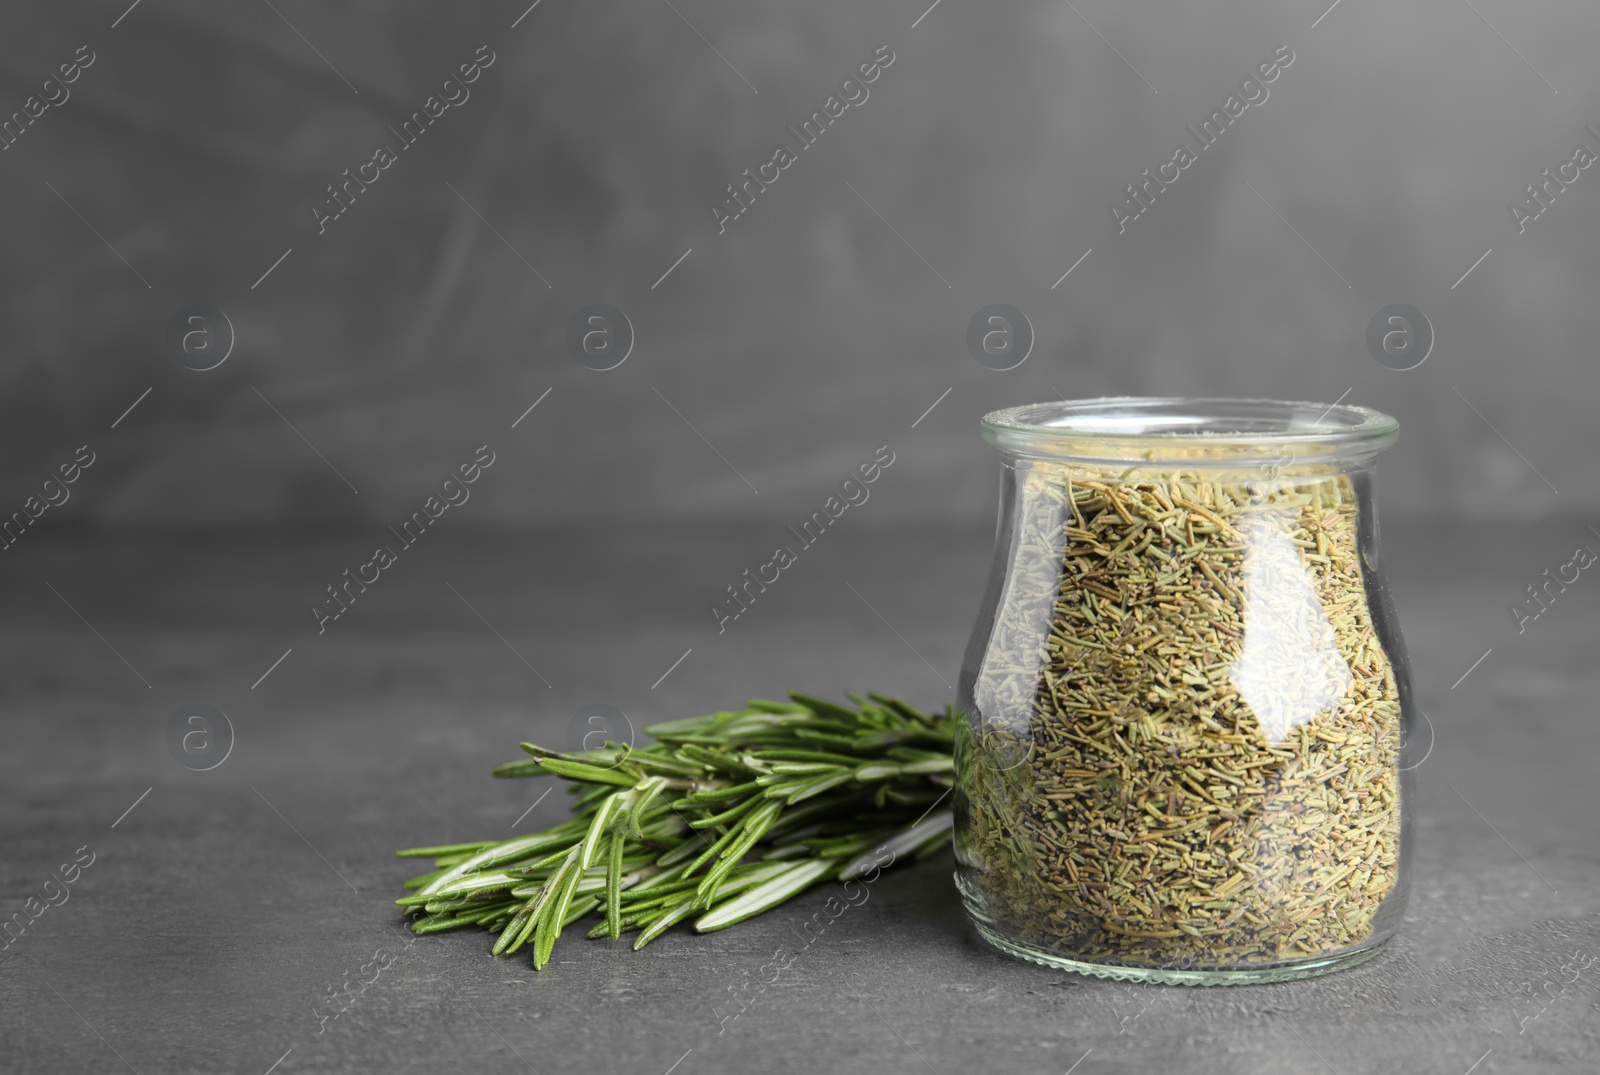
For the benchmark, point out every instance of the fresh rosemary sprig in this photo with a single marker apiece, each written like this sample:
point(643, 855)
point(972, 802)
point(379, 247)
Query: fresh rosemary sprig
point(723, 817)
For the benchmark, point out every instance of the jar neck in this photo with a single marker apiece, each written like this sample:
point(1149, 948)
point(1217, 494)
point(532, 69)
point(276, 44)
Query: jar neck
point(1163, 435)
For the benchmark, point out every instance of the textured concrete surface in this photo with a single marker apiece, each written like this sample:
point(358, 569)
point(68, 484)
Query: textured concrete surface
point(223, 910)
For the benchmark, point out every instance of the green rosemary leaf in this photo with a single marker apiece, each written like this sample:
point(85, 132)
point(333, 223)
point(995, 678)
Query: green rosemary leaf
point(555, 918)
point(634, 901)
point(877, 741)
point(545, 925)
point(604, 929)
point(574, 770)
point(670, 730)
point(544, 864)
point(604, 757)
point(903, 708)
point(439, 923)
point(741, 878)
point(508, 851)
point(444, 862)
point(580, 907)
point(717, 759)
point(821, 806)
point(754, 827)
point(649, 790)
point(901, 844)
point(766, 706)
point(601, 822)
point(520, 767)
point(672, 917)
point(820, 785)
point(812, 767)
point(614, 888)
point(931, 766)
point(594, 878)
point(833, 739)
point(663, 765)
point(674, 859)
point(657, 881)
point(586, 796)
point(548, 896)
point(711, 729)
point(727, 816)
point(514, 927)
point(663, 829)
point(824, 708)
point(806, 755)
point(751, 874)
point(530, 921)
point(481, 882)
point(711, 852)
point(893, 794)
point(791, 882)
point(845, 846)
point(721, 794)
point(445, 849)
point(921, 757)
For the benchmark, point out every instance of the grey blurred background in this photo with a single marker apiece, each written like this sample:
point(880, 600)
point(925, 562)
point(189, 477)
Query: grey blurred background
point(203, 135)
point(373, 359)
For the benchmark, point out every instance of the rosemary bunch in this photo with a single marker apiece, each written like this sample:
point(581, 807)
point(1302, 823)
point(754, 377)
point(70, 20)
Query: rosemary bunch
point(723, 817)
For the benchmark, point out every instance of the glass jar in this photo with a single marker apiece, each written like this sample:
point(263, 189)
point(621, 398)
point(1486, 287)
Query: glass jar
point(1186, 695)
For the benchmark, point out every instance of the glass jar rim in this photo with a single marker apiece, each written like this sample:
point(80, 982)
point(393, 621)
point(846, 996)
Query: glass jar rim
point(1132, 429)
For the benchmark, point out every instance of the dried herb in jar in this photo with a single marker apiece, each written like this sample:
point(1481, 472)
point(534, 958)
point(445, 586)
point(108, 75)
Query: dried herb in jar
point(1188, 751)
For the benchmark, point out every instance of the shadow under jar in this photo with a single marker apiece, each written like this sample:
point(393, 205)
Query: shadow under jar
point(1185, 695)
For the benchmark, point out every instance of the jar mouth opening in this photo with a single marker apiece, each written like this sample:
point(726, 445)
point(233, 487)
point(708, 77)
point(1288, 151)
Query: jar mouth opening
point(1124, 429)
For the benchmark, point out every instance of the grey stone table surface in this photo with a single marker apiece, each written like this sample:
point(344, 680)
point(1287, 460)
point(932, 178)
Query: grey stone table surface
point(223, 908)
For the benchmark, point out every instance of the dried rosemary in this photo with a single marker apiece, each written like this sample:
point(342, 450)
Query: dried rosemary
point(723, 817)
point(1185, 750)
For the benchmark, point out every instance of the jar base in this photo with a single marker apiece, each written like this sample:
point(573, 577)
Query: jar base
point(1310, 967)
